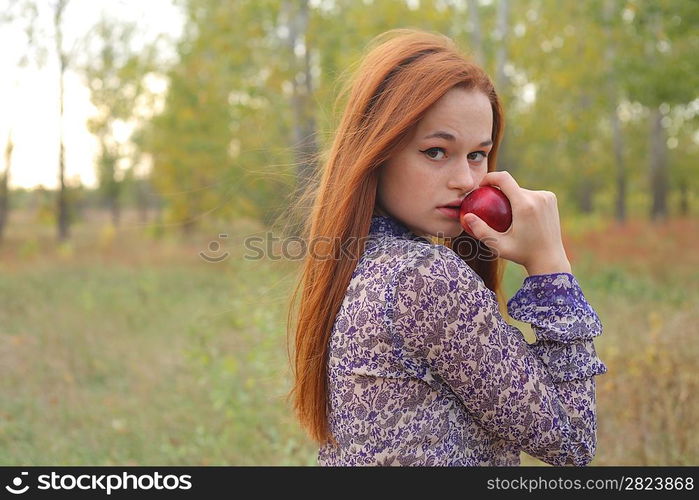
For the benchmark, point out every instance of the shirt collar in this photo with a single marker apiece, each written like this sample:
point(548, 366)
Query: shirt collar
point(389, 226)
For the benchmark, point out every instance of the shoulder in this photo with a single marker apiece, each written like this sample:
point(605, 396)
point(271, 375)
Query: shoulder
point(435, 261)
point(437, 288)
point(440, 272)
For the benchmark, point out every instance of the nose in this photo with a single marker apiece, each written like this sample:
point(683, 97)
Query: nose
point(462, 178)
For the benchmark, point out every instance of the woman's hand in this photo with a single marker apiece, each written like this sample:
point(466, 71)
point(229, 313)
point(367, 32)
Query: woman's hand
point(534, 238)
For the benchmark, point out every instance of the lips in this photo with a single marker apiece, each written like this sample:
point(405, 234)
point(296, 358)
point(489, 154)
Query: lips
point(453, 204)
point(451, 212)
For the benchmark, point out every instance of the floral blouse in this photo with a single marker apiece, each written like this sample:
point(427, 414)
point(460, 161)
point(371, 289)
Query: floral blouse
point(423, 369)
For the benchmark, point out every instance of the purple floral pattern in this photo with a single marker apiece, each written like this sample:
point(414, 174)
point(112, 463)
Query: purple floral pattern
point(423, 369)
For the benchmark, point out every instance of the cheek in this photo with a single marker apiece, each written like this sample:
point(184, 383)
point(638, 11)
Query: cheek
point(393, 184)
point(405, 177)
point(482, 172)
point(424, 183)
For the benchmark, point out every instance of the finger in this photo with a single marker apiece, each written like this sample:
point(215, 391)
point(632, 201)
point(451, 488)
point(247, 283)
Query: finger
point(504, 181)
point(476, 227)
point(550, 196)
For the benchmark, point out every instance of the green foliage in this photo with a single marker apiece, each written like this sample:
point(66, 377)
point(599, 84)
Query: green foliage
point(223, 145)
point(663, 44)
point(116, 79)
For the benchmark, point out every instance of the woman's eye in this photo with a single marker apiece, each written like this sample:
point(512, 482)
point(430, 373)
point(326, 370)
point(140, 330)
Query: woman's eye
point(484, 155)
point(428, 153)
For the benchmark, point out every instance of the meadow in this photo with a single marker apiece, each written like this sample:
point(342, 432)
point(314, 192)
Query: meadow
point(126, 347)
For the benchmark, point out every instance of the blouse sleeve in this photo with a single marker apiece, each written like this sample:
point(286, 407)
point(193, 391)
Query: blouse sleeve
point(540, 396)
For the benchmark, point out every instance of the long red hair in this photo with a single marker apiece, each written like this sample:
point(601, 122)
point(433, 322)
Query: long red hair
point(403, 72)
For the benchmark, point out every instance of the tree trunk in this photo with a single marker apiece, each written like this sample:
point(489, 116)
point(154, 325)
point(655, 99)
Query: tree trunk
point(4, 190)
point(586, 191)
point(475, 28)
point(309, 147)
point(658, 167)
point(63, 222)
point(305, 147)
point(501, 53)
point(617, 139)
point(115, 207)
point(586, 186)
point(159, 224)
point(63, 231)
point(684, 198)
point(114, 189)
point(502, 82)
point(618, 146)
point(109, 184)
point(142, 201)
point(658, 175)
point(304, 127)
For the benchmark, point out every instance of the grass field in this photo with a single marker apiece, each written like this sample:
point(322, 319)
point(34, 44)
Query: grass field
point(120, 348)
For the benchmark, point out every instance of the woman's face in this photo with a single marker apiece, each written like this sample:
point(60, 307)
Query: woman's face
point(444, 160)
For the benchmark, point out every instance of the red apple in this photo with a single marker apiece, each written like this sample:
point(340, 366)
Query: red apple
point(491, 205)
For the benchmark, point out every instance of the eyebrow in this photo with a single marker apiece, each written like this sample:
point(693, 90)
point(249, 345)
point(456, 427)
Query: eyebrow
point(449, 137)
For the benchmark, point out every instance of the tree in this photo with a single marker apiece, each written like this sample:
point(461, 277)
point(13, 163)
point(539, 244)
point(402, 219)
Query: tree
point(553, 116)
point(115, 77)
point(63, 61)
point(476, 33)
point(191, 140)
point(611, 16)
point(24, 14)
point(4, 192)
point(661, 72)
point(295, 16)
point(506, 161)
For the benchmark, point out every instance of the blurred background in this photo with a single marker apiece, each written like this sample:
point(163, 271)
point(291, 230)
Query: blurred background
point(145, 144)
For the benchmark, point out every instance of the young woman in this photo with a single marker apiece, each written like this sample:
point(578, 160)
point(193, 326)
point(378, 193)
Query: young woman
point(402, 355)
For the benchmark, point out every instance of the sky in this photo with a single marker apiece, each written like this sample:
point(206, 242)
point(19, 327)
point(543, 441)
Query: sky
point(29, 96)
